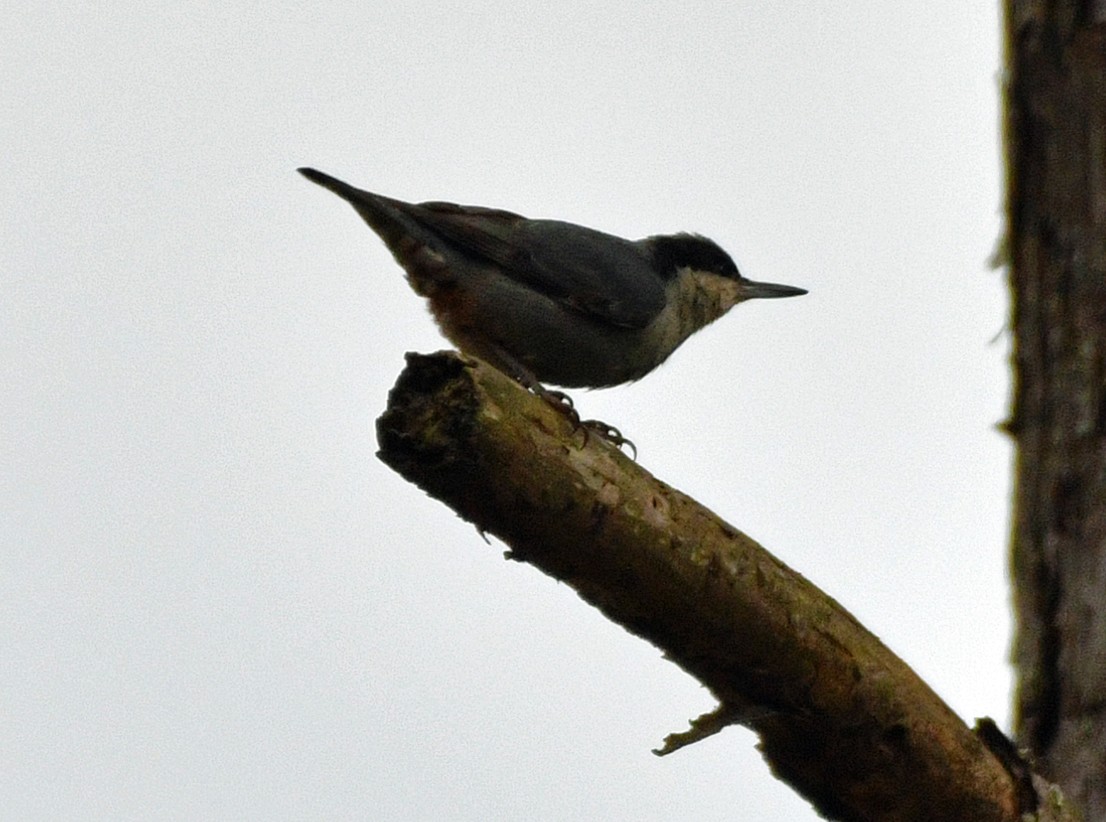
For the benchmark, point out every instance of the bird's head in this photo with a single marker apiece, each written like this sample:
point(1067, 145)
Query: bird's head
point(703, 270)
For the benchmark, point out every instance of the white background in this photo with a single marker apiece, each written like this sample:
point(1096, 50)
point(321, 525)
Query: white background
point(216, 603)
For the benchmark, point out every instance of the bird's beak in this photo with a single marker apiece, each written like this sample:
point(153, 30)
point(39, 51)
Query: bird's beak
point(759, 291)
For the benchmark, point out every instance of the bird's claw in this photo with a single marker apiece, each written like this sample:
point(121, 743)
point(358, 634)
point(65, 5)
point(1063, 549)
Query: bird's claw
point(558, 398)
point(563, 403)
point(610, 434)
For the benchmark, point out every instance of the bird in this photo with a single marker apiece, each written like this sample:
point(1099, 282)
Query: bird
point(551, 302)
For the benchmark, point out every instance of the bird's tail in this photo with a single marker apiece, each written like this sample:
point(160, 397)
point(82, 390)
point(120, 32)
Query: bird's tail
point(385, 216)
point(414, 246)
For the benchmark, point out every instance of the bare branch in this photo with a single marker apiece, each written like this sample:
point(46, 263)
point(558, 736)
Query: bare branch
point(840, 717)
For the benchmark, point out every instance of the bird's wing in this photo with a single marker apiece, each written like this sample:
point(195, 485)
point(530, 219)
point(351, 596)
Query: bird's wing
point(607, 278)
point(602, 276)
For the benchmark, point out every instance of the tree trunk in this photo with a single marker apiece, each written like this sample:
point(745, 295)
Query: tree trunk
point(1056, 144)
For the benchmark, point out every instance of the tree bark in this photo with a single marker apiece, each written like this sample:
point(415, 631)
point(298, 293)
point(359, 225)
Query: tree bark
point(1056, 155)
point(840, 717)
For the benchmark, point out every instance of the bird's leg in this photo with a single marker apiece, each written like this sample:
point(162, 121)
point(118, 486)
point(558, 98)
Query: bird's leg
point(563, 403)
point(560, 401)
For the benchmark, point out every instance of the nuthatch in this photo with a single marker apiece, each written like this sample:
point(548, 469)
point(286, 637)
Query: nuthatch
point(548, 301)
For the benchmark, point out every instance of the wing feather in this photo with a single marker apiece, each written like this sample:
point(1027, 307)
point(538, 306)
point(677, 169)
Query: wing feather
point(602, 276)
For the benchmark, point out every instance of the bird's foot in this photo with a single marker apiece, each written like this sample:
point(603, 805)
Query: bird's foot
point(563, 403)
point(608, 433)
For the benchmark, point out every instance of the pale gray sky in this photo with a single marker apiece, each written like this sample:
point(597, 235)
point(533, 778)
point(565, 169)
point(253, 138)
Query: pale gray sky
point(215, 603)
